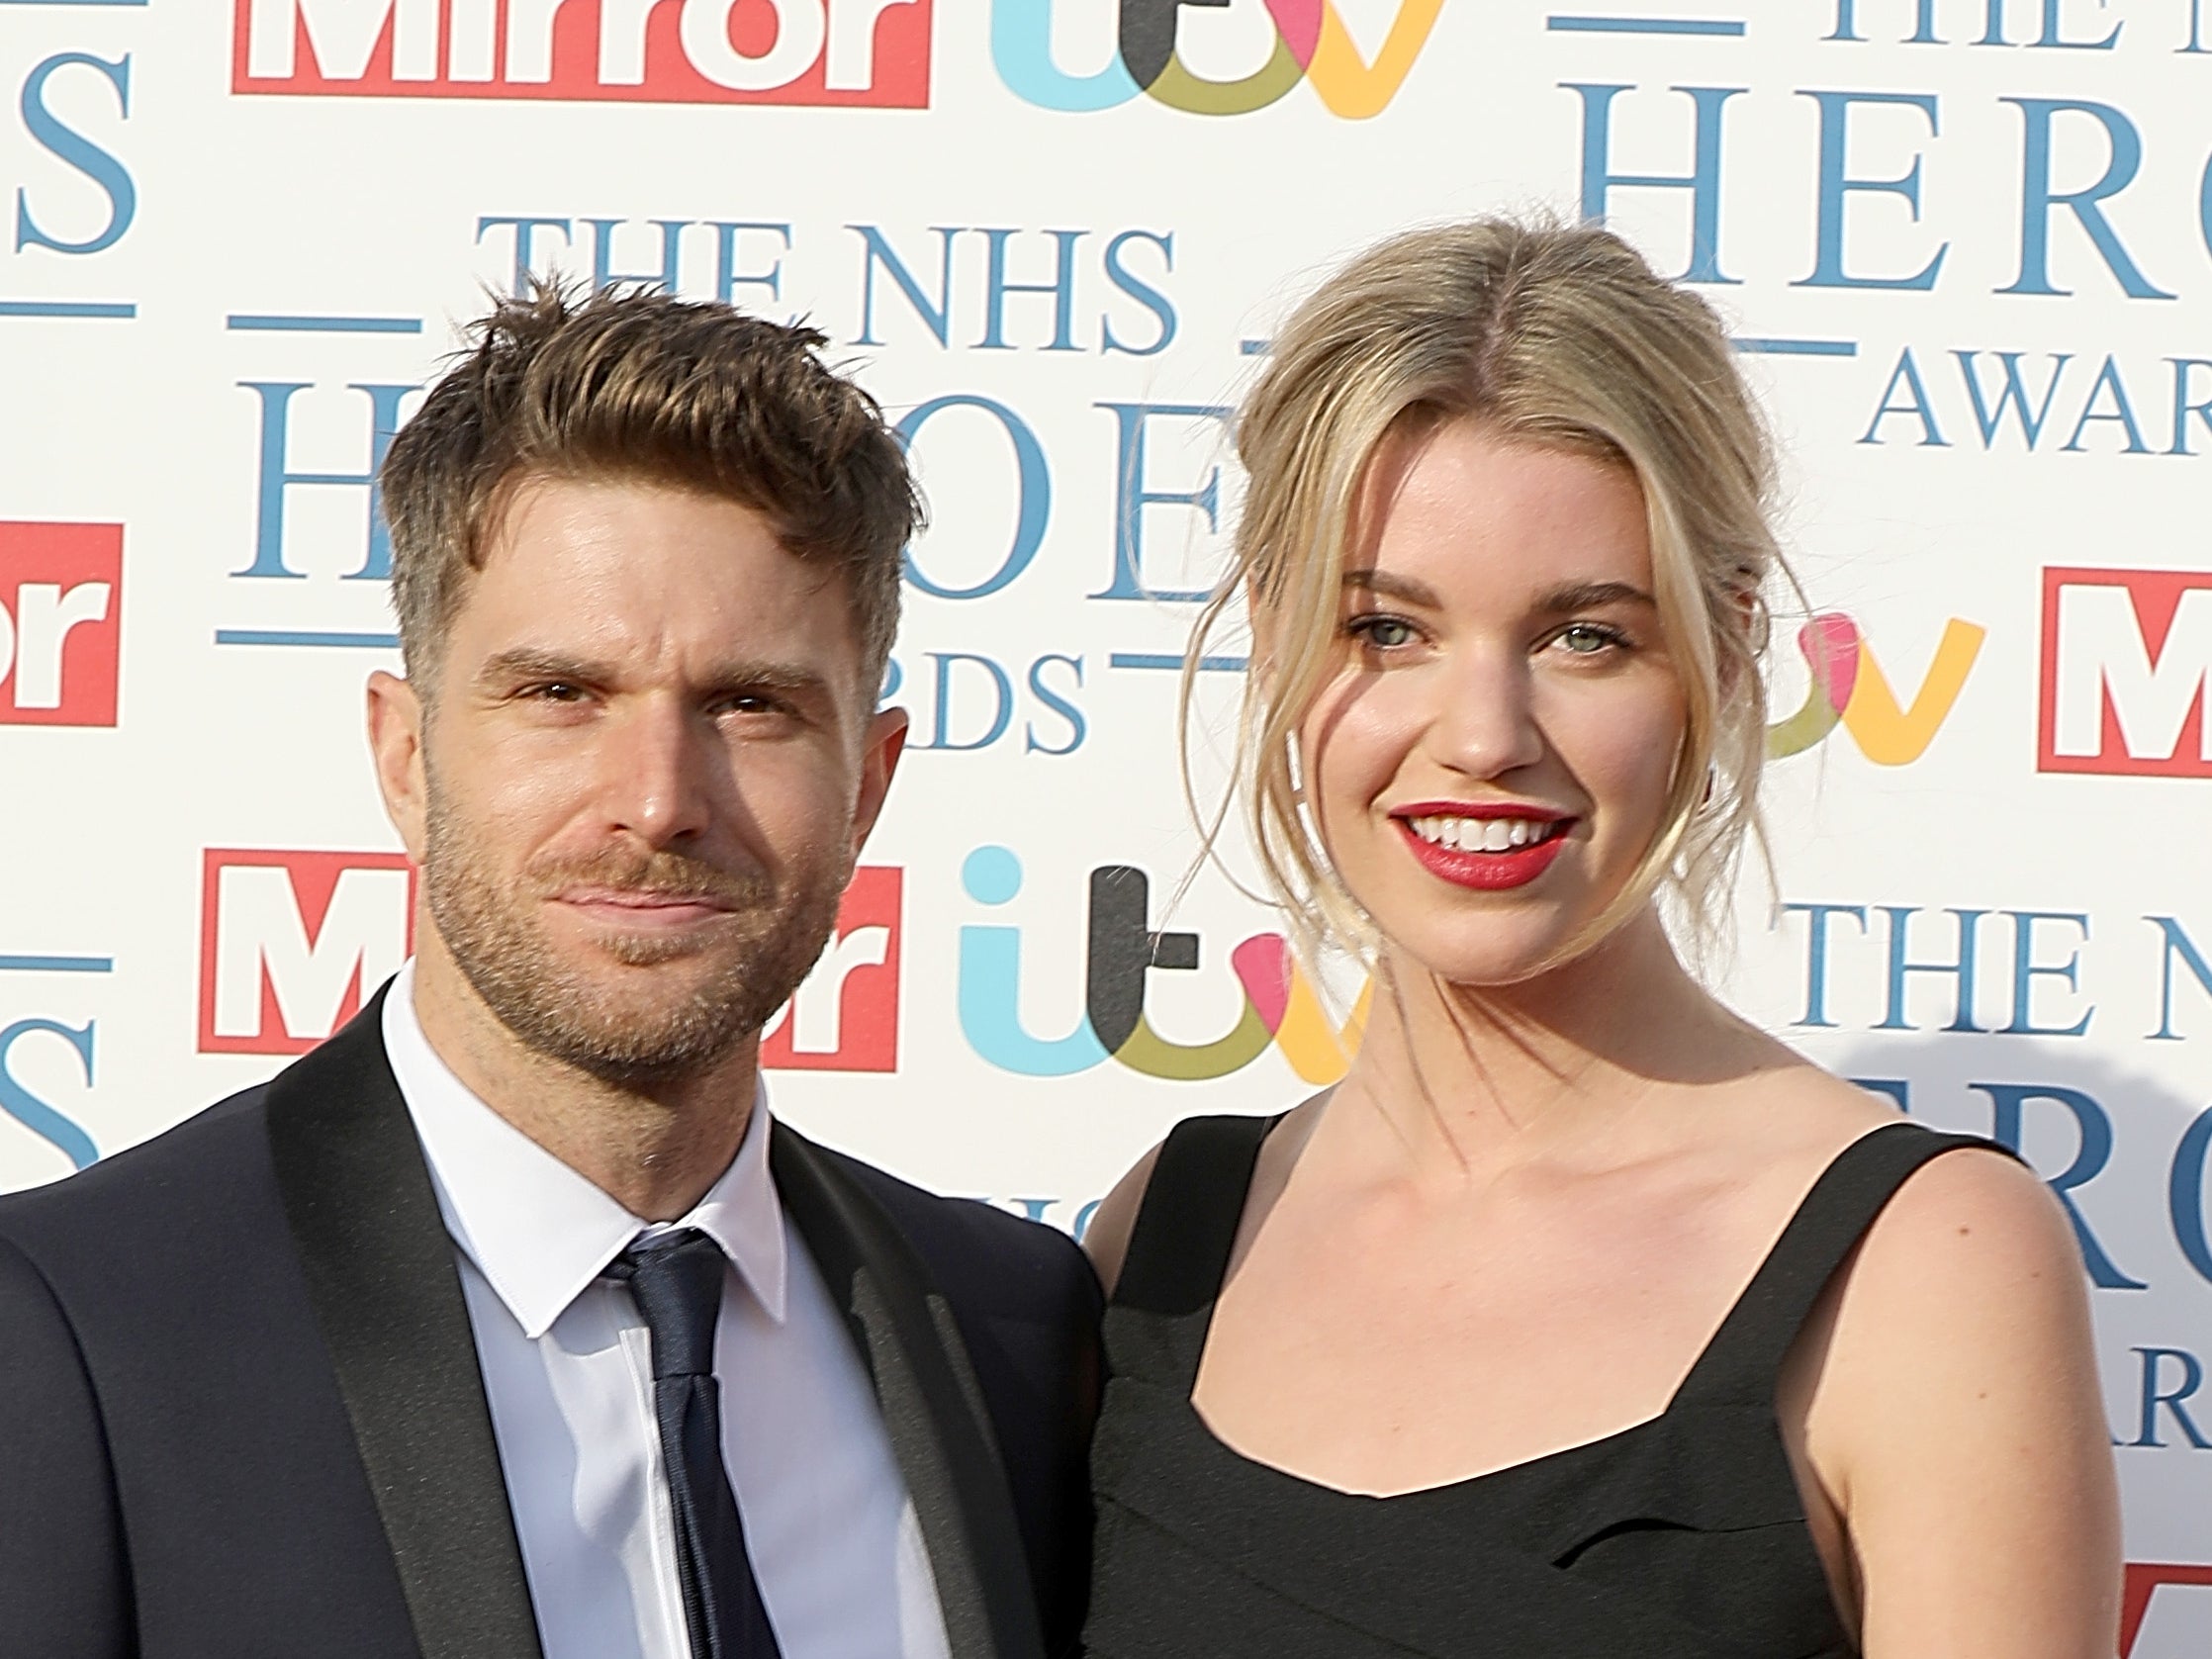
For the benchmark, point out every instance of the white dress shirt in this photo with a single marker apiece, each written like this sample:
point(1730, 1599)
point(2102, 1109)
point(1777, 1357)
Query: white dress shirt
point(828, 1522)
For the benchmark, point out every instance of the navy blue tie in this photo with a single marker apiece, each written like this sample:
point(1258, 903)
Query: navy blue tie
point(677, 1279)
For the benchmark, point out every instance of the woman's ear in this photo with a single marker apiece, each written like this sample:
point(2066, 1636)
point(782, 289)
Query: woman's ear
point(1752, 623)
point(1757, 619)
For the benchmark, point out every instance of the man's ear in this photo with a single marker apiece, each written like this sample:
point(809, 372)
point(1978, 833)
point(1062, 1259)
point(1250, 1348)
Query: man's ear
point(883, 743)
point(395, 714)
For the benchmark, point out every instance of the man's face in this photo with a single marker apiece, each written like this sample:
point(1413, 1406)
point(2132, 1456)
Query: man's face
point(639, 790)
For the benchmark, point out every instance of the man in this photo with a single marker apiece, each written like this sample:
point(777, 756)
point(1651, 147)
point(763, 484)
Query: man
point(508, 1324)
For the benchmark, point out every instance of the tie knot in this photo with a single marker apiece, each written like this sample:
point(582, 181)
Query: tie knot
point(677, 1279)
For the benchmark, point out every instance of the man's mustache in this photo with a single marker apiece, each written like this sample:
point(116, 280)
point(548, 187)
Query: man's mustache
point(662, 875)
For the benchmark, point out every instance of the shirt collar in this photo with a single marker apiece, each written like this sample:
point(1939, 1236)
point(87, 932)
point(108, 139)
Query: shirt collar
point(538, 1231)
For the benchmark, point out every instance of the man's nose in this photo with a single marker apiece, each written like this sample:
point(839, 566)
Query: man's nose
point(660, 768)
point(1485, 724)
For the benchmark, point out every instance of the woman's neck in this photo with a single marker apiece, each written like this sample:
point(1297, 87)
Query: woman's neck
point(1468, 1080)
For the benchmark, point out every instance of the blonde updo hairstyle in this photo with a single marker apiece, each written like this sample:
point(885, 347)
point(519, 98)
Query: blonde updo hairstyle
point(1558, 337)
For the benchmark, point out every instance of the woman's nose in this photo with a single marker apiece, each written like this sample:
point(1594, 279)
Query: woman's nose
point(1484, 723)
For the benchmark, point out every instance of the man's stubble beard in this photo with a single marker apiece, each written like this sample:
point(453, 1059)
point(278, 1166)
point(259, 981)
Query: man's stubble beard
point(569, 1015)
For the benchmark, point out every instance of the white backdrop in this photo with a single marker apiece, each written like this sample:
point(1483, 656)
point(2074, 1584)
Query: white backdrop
point(1966, 245)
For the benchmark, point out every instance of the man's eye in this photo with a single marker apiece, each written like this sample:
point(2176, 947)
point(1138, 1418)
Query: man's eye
point(749, 702)
point(556, 690)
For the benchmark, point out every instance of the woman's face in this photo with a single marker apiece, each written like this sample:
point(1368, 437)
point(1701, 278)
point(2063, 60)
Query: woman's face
point(1489, 757)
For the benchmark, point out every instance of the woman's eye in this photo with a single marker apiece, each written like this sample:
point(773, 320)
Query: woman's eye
point(1384, 634)
point(1586, 639)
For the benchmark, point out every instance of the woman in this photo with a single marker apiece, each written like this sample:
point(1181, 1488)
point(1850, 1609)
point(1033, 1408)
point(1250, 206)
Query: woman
point(1581, 1318)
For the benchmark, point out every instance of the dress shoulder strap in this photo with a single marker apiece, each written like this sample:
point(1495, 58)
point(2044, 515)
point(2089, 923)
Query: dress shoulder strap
point(1186, 1225)
point(1740, 1365)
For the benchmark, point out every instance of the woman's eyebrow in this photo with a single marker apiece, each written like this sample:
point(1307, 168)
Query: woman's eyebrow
point(1591, 596)
point(1393, 586)
point(1568, 597)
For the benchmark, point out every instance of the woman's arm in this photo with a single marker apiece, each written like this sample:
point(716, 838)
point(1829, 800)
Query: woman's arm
point(1958, 1424)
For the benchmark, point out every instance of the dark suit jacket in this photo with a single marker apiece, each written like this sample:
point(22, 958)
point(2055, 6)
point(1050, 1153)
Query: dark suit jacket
point(241, 1414)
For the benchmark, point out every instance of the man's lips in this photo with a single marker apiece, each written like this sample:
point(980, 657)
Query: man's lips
point(628, 906)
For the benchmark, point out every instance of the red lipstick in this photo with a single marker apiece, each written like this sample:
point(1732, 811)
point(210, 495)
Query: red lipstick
point(1483, 869)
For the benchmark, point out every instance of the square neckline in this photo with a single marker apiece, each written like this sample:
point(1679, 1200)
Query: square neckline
point(1736, 1311)
point(1684, 1536)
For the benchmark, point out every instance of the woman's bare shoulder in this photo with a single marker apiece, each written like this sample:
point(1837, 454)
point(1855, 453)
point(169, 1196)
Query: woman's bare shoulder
point(1106, 1239)
point(1964, 1227)
point(1961, 1419)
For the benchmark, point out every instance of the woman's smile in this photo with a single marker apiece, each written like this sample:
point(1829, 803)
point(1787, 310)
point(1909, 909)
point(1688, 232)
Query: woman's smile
point(1487, 848)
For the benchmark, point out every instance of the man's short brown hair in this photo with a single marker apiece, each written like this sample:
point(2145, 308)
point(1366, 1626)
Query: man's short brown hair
point(642, 387)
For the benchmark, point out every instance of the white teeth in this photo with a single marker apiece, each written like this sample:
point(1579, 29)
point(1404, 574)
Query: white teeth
point(1482, 835)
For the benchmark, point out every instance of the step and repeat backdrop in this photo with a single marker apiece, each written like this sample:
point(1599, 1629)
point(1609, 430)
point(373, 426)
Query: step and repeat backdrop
point(1966, 247)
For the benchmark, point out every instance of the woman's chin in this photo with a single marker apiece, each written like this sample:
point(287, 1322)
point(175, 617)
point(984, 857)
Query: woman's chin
point(1493, 962)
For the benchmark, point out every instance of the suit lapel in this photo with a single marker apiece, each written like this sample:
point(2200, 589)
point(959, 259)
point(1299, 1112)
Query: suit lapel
point(932, 1405)
point(381, 1274)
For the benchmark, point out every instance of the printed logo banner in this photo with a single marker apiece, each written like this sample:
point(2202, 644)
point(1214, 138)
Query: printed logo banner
point(692, 52)
point(1961, 247)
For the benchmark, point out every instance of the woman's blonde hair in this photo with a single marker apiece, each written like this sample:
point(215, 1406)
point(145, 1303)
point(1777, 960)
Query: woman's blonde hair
point(1559, 336)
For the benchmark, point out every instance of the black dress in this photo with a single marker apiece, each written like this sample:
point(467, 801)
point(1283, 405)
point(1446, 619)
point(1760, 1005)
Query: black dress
point(1684, 1537)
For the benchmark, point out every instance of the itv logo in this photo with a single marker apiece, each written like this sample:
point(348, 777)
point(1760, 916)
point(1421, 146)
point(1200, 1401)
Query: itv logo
point(1848, 687)
point(1279, 1008)
point(873, 53)
point(60, 623)
point(2126, 656)
point(1311, 44)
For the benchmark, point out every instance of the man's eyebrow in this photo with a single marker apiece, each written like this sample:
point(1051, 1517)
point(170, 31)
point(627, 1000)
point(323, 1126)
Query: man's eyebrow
point(789, 677)
point(525, 663)
point(1393, 586)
